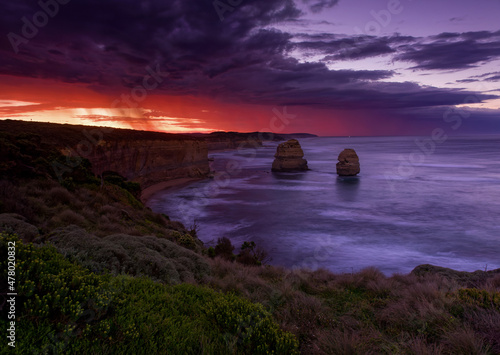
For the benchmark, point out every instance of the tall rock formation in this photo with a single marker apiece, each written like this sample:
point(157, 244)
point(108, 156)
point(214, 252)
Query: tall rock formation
point(348, 164)
point(289, 157)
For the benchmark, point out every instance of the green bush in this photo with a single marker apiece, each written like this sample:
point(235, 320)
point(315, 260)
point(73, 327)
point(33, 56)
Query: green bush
point(116, 179)
point(69, 310)
point(17, 224)
point(250, 254)
point(480, 298)
point(186, 240)
point(158, 258)
point(224, 249)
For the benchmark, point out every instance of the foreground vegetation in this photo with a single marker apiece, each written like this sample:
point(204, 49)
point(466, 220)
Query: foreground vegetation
point(64, 308)
point(99, 273)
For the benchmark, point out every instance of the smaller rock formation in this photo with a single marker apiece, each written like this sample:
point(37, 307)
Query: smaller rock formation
point(348, 164)
point(289, 157)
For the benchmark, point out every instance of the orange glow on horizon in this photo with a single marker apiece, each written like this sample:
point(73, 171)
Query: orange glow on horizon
point(52, 101)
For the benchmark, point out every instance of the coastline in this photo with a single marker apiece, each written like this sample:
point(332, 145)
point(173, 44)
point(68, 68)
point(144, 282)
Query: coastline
point(148, 192)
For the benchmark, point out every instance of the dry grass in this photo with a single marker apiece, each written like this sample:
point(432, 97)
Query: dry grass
point(48, 205)
point(465, 342)
point(65, 218)
point(419, 346)
point(59, 195)
point(366, 312)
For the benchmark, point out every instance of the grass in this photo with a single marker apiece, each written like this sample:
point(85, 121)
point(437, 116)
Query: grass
point(101, 211)
point(367, 312)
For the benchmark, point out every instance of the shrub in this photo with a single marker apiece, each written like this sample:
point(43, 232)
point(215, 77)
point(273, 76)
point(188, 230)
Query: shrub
point(59, 195)
point(480, 298)
point(123, 196)
point(250, 326)
point(150, 256)
point(114, 178)
point(250, 254)
point(67, 217)
point(224, 248)
point(67, 309)
point(13, 200)
point(17, 224)
point(187, 241)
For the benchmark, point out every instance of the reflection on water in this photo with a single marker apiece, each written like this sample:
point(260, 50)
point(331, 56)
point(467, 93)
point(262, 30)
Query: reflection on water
point(444, 212)
point(348, 187)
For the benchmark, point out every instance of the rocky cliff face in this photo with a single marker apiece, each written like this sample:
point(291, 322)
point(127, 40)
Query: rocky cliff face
point(141, 156)
point(289, 157)
point(149, 162)
point(227, 143)
point(232, 140)
point(237, 140)
point(348, 164)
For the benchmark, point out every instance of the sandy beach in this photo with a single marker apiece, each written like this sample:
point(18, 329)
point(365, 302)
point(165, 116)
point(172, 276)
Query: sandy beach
point(166, 185)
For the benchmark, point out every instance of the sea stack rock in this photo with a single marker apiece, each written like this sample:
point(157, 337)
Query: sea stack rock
point(289, 157)
point(348, 164)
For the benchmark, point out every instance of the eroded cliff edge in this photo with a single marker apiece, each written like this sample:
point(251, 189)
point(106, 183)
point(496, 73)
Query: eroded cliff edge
point(152, 161)
point(148, 158)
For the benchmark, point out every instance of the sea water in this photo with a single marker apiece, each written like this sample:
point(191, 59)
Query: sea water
point(415, 202)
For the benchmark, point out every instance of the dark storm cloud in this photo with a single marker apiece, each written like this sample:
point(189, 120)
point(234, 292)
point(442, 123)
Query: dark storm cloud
point(319, 5)
point(110, 42)
point(452, 51)
point(445, 51)
point(467, 81)
point(494, 76)
point(348, 48)
point(113, 44)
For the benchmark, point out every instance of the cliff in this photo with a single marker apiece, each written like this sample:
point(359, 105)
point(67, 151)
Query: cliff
point(149, 162)
point(144, 157)
point(230, 140)
point(297, 135)
point(234, 140)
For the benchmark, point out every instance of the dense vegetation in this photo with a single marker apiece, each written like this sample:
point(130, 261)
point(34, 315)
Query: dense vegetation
point(64, 308)
point(98, 272)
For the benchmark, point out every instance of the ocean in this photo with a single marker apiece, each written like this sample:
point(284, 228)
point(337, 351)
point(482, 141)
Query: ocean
point(415, 202)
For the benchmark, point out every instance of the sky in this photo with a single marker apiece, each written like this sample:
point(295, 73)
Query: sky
point(328, 67)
